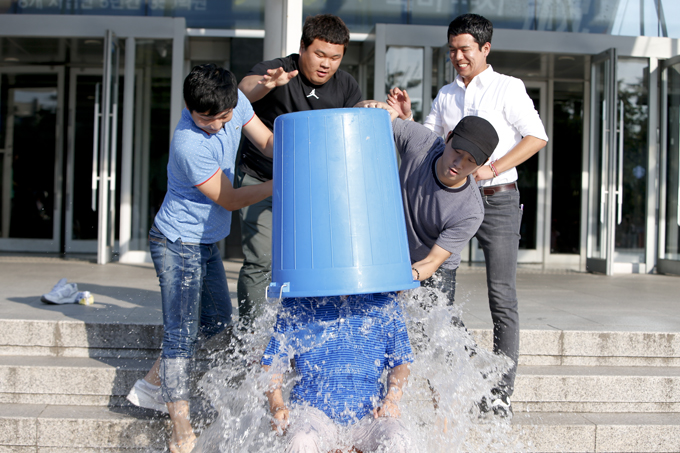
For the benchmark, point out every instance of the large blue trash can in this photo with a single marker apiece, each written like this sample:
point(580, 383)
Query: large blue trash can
point(338, 219)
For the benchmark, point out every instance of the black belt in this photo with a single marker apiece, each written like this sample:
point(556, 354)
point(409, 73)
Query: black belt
point(487, 191)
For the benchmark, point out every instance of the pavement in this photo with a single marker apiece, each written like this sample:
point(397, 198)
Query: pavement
point(549, 300)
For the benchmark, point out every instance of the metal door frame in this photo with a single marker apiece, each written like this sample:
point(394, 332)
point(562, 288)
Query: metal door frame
point(607, 150)
point(664, 265)
point(53, 244)
point(106, 187)
point(75, 245)
point(536, 255)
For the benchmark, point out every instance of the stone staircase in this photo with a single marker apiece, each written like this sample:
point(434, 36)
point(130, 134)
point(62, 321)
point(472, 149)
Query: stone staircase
point(63, 383)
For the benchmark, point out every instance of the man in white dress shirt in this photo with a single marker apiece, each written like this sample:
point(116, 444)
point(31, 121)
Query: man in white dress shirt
point(504, 102)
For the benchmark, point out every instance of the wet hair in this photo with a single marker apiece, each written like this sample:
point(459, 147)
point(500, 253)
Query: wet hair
point(325, 27)
point(209, 88)
point(478, 26)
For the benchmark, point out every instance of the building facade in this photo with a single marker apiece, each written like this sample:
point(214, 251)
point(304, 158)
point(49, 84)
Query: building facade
point(90, 91)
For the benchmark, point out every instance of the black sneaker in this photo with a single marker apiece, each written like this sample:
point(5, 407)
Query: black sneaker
point(499, 404)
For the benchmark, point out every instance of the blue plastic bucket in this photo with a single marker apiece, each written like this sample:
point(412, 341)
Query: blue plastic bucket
point(338, 218)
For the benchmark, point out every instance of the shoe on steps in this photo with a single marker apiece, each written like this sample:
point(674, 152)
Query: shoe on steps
point(62, 293)
point(499, 404)
point(144, 394)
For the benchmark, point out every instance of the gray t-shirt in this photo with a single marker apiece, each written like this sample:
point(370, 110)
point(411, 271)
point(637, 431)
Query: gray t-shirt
point(435, 214)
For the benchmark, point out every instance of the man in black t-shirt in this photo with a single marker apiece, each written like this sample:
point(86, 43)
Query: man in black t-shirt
point(309, 80)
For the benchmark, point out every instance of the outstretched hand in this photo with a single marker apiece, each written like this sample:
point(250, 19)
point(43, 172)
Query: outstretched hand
point(277, 77)
point(388, 408)
point(398, 99)
point(280, 421)
point(378, 105)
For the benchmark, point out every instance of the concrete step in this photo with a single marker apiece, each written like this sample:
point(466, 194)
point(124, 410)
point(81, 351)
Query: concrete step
point(593, 348)
point(537, 347)
point(79, 339)
point(605, 432)
point(75, 381)
point(41, 428)
point(48, 428)
point(106, 382)
point(597, 389)
point(70, 381)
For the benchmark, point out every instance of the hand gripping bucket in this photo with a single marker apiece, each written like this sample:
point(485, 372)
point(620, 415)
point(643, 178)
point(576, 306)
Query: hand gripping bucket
point(338, 218)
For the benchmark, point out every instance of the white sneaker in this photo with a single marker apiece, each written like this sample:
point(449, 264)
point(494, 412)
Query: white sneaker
point(62, 293)
point(147, 395)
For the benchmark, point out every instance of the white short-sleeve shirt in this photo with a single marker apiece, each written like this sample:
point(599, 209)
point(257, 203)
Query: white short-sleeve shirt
point(498, 98)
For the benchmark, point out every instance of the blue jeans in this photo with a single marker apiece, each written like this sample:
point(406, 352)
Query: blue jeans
point(195, 300)
point(499, 238)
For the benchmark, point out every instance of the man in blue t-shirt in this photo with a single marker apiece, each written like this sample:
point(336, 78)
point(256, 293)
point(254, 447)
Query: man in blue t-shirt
point(340, 345)
point(195, 214)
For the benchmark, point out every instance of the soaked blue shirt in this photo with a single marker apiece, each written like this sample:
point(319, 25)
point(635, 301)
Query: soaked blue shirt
point(195, 157)
point(341, 346)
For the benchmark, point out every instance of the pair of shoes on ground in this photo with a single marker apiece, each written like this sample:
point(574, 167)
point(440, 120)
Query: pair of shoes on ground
point(144, 394)
point(67, 293)
point(499, 404)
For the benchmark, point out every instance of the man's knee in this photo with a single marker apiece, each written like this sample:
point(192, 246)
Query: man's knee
point(389, 434)
point(303, 441)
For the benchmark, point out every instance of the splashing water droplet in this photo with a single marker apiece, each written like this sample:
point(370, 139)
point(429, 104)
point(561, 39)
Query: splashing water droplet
point(450, 375)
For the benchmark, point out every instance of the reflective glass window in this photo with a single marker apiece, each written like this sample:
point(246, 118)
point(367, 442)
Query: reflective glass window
point(404, 69)
point(220, 14)
point(670, 248)
point(615, 17)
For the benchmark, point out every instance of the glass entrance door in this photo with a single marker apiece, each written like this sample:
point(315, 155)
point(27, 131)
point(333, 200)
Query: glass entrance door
point(81, 214)
point(669, 182)
point(30, 159)
point(618, 199)
point(603, 163)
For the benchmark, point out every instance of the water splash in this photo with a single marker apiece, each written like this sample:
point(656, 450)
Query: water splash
point(451, 374)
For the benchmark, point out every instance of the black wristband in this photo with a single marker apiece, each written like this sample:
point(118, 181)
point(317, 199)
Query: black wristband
point(417, 273)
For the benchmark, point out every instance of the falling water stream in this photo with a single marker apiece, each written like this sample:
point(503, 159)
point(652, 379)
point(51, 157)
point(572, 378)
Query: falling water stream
point(449, 376)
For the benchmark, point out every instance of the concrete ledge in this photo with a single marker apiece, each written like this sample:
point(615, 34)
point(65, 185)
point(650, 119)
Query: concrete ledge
point(567, 347)
point(88, 429)
point(74, 381)
point(95, 427)
point(79, 334)
point(598, 384)
point(637, 432)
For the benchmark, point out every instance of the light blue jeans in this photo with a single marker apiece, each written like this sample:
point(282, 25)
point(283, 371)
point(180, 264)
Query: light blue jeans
point(196, 302)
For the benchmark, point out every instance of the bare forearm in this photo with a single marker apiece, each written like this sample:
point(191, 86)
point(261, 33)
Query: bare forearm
point(257, 92)
point(423, 269)
point(396, 379)
point(245, 196)
point(252, 89)
point(274, 394)
point(526, 148)
point(275, 398)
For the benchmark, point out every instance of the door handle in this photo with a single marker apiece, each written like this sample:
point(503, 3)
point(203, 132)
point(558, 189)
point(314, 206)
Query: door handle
point(603, 170)
point(619, 188)
point(95, 147)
